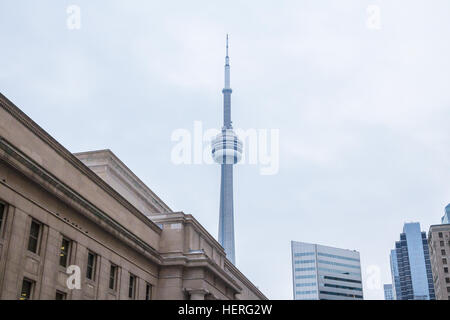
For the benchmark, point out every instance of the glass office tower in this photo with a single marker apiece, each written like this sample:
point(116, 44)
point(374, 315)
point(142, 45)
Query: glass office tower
point(396, 291)
point(410, 265)
point(388, 295)
point(446, 218)
point(325, 273)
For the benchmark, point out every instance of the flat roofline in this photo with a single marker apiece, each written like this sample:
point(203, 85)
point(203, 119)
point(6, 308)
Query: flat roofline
point(64, 153)
point(128, 171)
point(318, 244)
point(440, 225)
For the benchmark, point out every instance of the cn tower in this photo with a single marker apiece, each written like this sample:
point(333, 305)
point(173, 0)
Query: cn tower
point(227, 151)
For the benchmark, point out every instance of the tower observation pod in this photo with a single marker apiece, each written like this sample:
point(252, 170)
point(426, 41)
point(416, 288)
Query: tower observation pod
point(227, 151)
point(226, 147)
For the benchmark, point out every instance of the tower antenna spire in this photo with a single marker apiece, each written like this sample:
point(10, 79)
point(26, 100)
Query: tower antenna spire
point(227, 44)
point(227, 69)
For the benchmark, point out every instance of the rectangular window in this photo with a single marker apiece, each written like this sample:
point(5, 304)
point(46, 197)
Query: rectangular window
point(91, 264)
point(64, 252)
point(447, 280)
point(2, 215)
point(445, 270)
point(27, 290)
point(33, 240)
point(112, 277)
point(448, 289)
point(148, 292)
point(443, 252)
point(444, 261)
point(60, 295)
point(440, 235)
point(441, 243)
point(132, 287)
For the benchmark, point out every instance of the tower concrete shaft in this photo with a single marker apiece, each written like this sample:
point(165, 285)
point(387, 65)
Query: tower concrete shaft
point(226, 215)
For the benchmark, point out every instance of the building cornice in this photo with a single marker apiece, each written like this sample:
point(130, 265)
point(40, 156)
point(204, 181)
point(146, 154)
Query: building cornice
point(74, 225)
point(127, 177)
point(443, 225)
point(177, 217)
point(23, 161)
point(201, 260)
point(29, 167)
point(73, 160)
point(180, 217)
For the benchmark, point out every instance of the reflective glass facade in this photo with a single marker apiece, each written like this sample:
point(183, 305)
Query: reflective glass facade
point(396, 290)
point(446, 218)
point(388, 294)
point(410, 265)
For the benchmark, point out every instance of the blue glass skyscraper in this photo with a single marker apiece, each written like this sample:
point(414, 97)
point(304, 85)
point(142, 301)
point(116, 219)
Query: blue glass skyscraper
point(388, 295)
point(410, 265)
point(396, 290)
point(446, 218)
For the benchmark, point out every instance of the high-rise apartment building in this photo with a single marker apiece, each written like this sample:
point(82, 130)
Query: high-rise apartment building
point(410, 265)
point(439, 244)
point(325, 273)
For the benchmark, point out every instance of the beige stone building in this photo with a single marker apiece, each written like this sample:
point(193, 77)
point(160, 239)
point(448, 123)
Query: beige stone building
point(88, 219)
point(439, 243)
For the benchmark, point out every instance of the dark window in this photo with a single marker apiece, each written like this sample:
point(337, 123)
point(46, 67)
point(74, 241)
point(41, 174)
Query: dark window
point(64, 252)
point(148, 292)
point(443, 252)
point(444, 261)
point(60, 295)
point(445, 270)
point(447, 280)
point(341, 287)
point(448, 289)
point(90, 270)
point(132, 287)
point(2, 214)
point(112, 277)
point(33, 240)
point(441, 243)
point(27, 289)
point(341, 279)
point(440, 235)
point(342, 294)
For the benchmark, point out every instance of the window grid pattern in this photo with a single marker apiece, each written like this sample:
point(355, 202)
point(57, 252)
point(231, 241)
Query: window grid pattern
point(330, 269)
point(338, 264)
point(336, 256)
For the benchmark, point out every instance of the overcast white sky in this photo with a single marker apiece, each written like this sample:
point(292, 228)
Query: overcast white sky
point(363, 114)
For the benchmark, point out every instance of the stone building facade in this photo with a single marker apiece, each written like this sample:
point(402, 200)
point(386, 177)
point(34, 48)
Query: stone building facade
point(88, 219)
point(439, 242)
